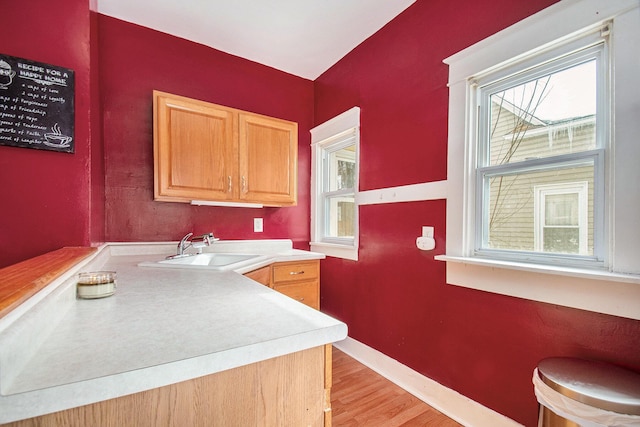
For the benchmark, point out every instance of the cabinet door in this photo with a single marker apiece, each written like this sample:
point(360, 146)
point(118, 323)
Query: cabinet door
point(268, 160)
point(194, 149)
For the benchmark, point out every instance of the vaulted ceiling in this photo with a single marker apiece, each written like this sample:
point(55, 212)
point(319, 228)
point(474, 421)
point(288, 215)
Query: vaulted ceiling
point(300, 37)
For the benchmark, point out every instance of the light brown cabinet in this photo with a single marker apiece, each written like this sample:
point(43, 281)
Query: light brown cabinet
point(289, 390)
point(299, 280)
point(208, 152)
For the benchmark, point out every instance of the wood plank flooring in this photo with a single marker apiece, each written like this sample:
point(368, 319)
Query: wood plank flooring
point(361, 397)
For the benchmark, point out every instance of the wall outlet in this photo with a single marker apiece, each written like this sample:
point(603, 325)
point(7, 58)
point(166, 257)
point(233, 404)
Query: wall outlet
point(257, 225)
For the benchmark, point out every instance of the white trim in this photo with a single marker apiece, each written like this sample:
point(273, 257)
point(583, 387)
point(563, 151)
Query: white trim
point(406, 193)
point(559, 21)
point(322, 136)
point(451, 403)
point(336, 125)
point(334, 250)
point(226, 204)
point(591, 290)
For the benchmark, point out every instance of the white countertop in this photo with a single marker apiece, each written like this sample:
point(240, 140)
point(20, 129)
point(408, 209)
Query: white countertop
point(162, 326)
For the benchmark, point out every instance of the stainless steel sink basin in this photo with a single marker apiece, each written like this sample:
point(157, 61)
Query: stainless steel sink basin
point(211, 261)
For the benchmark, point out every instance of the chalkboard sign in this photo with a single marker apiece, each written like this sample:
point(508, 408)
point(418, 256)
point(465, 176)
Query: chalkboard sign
point(36, 105)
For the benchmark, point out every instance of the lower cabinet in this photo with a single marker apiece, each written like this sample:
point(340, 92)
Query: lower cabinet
point(290, 390)
point(299, 280)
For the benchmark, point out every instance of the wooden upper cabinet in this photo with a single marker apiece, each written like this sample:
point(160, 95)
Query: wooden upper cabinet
point(209, 152)
point(268, 159)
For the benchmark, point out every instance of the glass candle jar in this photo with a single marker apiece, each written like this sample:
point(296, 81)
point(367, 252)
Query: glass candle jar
point(96, 284)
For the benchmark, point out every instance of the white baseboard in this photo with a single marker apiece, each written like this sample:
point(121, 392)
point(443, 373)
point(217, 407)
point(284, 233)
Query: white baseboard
point(451, 403)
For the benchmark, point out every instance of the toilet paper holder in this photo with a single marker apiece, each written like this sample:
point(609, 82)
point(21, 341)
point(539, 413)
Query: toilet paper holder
point(426, 242)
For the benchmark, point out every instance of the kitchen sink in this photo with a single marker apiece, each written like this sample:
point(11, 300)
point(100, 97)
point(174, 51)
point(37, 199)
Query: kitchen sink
point(209, 260)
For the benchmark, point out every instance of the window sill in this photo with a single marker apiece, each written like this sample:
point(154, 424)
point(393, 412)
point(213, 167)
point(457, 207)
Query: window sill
point(598, 291)
point(337, 251)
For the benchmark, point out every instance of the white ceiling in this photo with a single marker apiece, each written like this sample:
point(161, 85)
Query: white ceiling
point(300, 37)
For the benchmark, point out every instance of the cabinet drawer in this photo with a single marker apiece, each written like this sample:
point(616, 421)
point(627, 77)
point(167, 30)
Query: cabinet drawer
point(294, 271)
point(304, 292)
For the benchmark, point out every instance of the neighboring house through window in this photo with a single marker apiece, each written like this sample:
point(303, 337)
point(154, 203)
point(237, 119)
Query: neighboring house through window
point(561, 213)
point(334, 185)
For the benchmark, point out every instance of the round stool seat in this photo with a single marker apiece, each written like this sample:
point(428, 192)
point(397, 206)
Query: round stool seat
point(597, 384)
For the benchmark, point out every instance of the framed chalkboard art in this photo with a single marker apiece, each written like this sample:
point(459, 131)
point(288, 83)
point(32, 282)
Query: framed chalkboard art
point(36, 105)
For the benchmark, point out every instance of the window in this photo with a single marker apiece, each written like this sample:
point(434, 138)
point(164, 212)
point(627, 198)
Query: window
point(334, 186)
point(544, 124)
point(543, 205)
point(561, 219)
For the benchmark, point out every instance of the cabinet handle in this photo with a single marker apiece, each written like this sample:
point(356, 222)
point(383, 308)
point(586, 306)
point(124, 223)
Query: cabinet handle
point(293, 273)
point(244, 185)
point(301, 299)
point(229, 185)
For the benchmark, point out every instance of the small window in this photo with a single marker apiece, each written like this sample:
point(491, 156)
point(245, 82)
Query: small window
point(562, 219)
point(539, 128)
point(334, 186)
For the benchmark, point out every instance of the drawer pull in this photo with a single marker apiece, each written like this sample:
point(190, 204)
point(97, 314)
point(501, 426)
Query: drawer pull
point(301, 299)
point(294, 273)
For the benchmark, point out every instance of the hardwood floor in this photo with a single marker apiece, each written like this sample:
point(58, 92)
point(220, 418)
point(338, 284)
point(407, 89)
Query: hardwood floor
point(361, 397)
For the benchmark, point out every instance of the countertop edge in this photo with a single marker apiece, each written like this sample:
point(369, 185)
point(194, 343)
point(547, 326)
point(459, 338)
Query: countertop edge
point(30, 404)
point(40, 402)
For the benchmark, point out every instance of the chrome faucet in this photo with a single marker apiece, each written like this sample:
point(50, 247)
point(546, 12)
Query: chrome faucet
point(195, 242)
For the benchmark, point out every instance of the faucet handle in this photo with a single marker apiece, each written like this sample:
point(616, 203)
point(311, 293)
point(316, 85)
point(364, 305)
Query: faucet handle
point(185, 238)
point(209, 238)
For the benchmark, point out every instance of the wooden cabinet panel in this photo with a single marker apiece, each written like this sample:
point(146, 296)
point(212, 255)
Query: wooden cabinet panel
point(299, 280)
point(204, 151)
point(194, 149)
point(268, 159)
point(261, 275)
point(295, 271)
point(304, 292)
point(288, 390)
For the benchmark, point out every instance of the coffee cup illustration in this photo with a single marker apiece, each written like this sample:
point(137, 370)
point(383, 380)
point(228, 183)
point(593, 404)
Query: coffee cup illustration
point(6, 74)
point(56, 138)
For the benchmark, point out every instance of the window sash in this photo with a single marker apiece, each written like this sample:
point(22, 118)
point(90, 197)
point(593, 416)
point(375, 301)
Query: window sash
point(328, 221)
point(485, 89)
point(563, 57)
point(332, 222)
point(483, 176)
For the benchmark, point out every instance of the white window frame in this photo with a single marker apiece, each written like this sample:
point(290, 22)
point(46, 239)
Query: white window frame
point(616, 288)
point(325, 138)
point(539, 220)
point(582, 47)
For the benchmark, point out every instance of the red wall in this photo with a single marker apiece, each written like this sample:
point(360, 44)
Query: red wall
point(133, 62)
point(395, 298)
point(45, 196)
